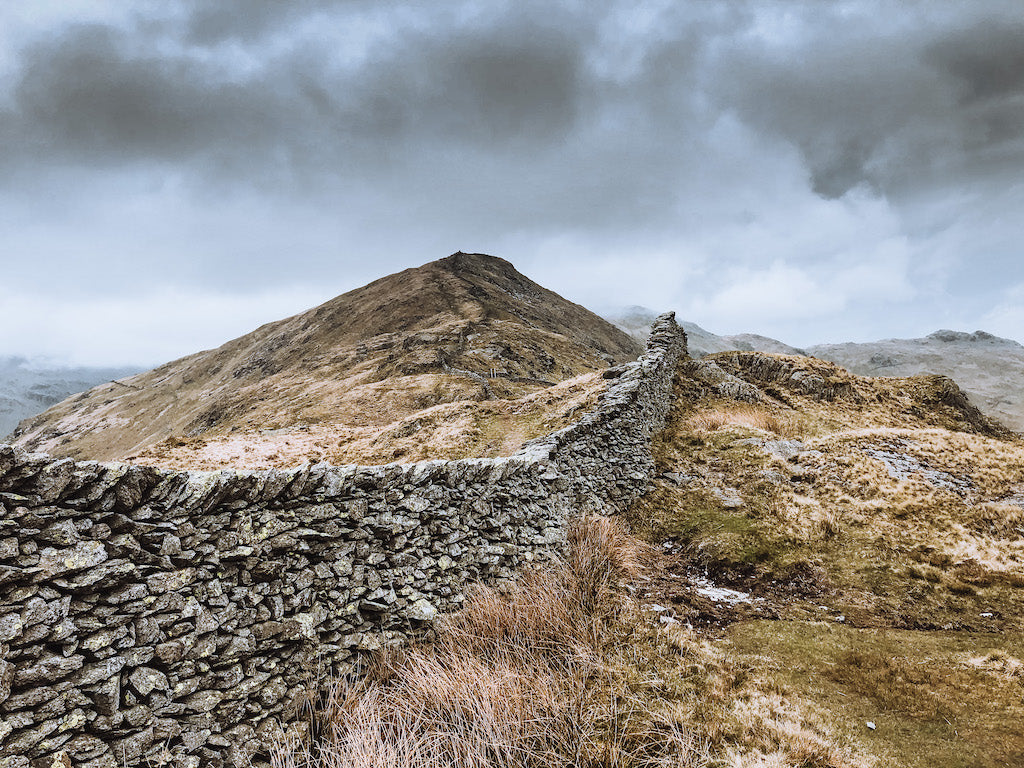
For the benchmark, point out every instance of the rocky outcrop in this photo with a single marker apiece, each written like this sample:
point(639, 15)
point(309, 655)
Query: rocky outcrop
point(943, 391)
point(988, 368)
point(724, 384)
point(798, 375)
point(179, 617)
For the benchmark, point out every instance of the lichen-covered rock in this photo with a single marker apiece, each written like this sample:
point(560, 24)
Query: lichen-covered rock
point(145, 680)
point(421, 610)
point(11, 626)
point(54, 562)
point(49, 669)
point(6, 678)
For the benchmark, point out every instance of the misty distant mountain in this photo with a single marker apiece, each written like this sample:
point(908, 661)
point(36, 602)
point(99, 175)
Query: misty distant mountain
point(988, 368)
point(637, 320)
point(28, 388)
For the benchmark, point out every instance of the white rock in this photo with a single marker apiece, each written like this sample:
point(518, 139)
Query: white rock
point(422, 610)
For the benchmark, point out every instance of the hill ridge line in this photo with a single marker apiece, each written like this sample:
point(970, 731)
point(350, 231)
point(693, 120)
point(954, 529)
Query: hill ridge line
point(322, 367)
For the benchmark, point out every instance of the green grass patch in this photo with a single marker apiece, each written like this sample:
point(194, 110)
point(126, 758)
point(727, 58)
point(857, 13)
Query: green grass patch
point(717, 533)
point(938, 699)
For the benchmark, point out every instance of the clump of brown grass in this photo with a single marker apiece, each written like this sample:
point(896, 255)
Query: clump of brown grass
point(514, 679)
point(744, 415)
point(775, 733)
point(558, 613)
point(562, 669)
point(999, 520)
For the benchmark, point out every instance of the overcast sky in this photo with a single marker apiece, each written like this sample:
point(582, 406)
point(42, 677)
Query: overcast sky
point(173, 174)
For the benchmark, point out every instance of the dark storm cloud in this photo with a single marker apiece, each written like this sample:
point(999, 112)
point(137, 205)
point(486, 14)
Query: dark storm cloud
point(886, 104)
point(94, 94)
point(87, 96)
point(891, 105)
point(249, 19)
point(988, 59)
point(487, 88)
point(987, 62)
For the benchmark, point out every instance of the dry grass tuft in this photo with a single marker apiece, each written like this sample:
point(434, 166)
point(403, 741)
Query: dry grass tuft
point(514, 679)
point(744, 415)
point(563, 670)
point(557, 613)
point(779, 735)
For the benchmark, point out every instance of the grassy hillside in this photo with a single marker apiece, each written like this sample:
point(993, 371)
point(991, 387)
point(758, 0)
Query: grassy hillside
point(465, 328)
point(871, 532)
point(452, 423)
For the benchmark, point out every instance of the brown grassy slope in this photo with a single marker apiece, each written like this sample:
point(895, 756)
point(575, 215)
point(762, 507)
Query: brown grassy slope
point(450, 430)
point(467, 312)
point(878, 527)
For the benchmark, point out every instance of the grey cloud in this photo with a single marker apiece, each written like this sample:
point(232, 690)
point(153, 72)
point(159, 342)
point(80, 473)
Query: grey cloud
point(477, 121)
point(987, 59)
point(490, 123)
point(987, 63)
point(247, 19)
point(842, 107)
point(90, 98)
point(94, 95)
point(529, 85)
point(486, 87)
point(883, 103)
point(877, 101)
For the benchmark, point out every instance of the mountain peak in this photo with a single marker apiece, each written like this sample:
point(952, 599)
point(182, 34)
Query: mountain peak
point(946, 335)
point(463, 260)
point(362, 359)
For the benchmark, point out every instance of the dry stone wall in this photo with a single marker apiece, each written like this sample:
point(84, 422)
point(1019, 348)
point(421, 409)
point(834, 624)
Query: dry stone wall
point(154, 617)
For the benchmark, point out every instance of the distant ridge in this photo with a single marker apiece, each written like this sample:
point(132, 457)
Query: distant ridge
point(469, 325)
point(26, 388)
point(636, 321)
point(988, 368)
